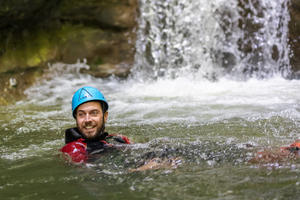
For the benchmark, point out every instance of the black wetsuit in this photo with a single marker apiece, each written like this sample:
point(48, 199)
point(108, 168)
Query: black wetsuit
point(102, 142)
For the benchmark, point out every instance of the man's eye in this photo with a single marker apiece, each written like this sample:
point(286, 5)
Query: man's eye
point(94, 113)
point(80, 114)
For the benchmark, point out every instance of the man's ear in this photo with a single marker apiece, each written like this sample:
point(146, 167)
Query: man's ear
point(105, 116)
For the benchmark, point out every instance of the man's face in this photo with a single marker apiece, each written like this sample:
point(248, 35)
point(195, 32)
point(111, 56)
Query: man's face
point(89, 119)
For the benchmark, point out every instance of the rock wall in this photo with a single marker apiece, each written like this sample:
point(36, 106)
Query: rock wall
point(294, 36)
point(37, 32)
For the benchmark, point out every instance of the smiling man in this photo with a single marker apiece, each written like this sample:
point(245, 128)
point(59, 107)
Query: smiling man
point(89, 108)
point(90, 119)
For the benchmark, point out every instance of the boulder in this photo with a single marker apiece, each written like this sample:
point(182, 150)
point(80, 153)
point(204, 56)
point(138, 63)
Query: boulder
point(14, 83)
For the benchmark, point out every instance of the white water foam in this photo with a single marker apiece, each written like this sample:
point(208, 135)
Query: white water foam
point(32, 150)
point(175, 100)
point(212, 38)
point(201, 101)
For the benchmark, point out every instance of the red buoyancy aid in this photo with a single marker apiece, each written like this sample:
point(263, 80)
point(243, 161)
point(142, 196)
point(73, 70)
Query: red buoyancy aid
point(78, 150)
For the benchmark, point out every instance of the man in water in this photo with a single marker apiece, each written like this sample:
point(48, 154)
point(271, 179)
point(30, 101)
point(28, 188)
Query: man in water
point(89, 108)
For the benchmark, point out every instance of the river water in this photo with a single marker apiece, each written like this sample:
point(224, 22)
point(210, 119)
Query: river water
point(181, 101)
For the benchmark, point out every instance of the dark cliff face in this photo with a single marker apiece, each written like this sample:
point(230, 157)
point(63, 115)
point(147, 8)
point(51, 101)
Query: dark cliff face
point(39, 31)
point(294, 36)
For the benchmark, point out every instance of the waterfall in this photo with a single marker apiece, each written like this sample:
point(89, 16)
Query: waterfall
point(212, 39)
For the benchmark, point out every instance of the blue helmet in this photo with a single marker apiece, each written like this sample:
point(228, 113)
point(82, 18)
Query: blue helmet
point(86, 94)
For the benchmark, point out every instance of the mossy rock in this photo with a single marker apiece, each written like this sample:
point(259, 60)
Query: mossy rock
point(37, 32)
point(14, 83)
point(68, 44)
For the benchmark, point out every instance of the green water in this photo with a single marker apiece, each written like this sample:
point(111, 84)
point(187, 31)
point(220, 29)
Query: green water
point(214, 155)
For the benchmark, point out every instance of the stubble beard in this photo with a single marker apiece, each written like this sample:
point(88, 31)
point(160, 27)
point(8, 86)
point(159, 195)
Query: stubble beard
point(92, 135)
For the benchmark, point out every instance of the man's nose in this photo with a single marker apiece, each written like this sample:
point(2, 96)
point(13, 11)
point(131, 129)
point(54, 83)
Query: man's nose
point(87, 117)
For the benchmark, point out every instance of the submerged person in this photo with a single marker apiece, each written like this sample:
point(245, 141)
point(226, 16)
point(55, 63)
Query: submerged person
point(90, 110)
point(281, 155)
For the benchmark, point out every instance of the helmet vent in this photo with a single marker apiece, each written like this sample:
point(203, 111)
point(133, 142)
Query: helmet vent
point(84, 94)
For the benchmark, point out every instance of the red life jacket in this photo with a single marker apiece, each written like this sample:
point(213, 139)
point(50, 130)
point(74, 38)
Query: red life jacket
point(76, 151)
point(77, 148)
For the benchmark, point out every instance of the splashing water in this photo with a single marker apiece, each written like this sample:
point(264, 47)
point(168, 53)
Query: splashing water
point(213, 38)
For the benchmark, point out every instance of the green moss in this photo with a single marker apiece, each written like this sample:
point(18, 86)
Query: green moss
point(40, 47)
point(98, 61)
point(24, 78)
point(3, 102)
point(32, 51)
point(68, 43)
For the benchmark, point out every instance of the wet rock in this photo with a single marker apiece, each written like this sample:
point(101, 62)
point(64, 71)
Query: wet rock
point(294, 36)
point(252, 44)
point(111, 14)
point(105, 70)
point(37, 32)
point(13, 84)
